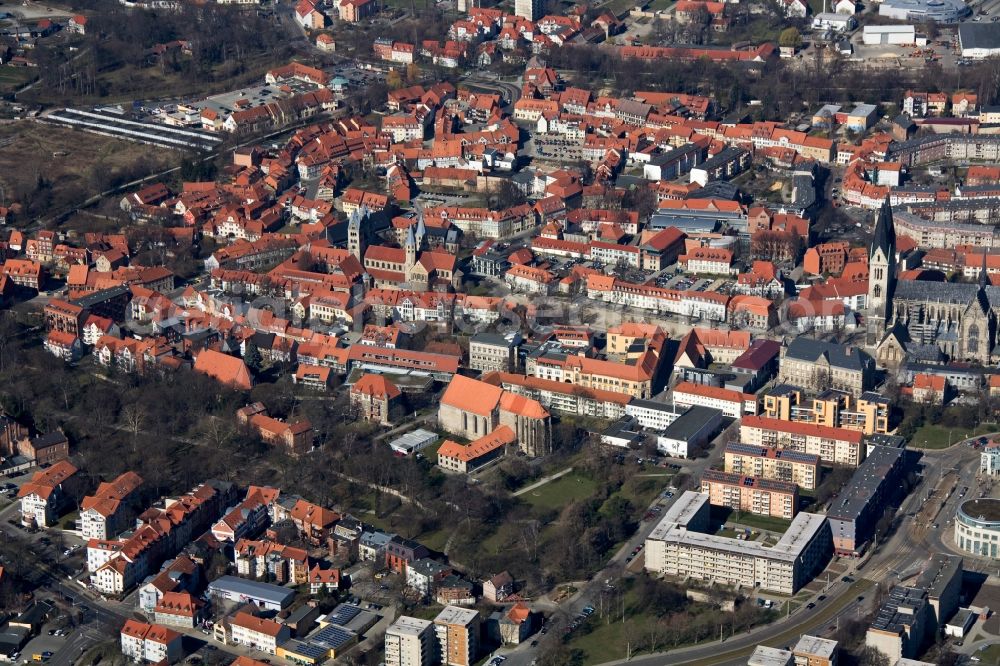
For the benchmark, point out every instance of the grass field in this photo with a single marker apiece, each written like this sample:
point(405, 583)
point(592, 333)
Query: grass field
point(990, 655)
point(941, 437)
point(761, 522)
point(63, 156)
point(13, 77)
point(557, 494)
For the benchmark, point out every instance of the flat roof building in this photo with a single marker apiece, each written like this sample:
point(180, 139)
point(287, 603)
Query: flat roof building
point(900, 625)
point(815, 651)
point(410, 641)
point(678, 547)
point(769, 656)
point(859, 506)
point(241, 590)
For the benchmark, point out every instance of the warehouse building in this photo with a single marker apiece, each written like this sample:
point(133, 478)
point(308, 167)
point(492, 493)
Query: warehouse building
point(978, 40)
point(897, 35)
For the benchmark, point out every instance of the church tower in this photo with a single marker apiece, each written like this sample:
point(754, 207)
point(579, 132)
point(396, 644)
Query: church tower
point(881, 275)
point(355, 237)
point(411, 250)
point(421, 232)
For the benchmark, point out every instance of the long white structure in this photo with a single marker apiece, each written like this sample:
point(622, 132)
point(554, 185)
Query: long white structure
point(678, 546)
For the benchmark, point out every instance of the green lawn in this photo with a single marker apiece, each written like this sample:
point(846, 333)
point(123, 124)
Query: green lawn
point(990, 655)
point(660, 5)
point(620, 7)
point(14, 77)
point(941, 437)
point(761, 522)
point(557, 494)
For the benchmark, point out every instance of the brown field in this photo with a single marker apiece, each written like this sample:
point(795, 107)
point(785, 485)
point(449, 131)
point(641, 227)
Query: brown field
point(68, 159)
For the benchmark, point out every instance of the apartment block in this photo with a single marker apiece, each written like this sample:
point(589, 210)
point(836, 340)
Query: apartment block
point(868, 414)
point(801, 469)
point(833, 445)
point(856, 511)
point(410, 641)
point(677, 546)
point(762, 497)
point(457, 631)
point(815, 651)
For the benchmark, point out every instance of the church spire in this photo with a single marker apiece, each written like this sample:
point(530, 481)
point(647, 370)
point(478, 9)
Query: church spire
point(984, 277)
point(884, 238)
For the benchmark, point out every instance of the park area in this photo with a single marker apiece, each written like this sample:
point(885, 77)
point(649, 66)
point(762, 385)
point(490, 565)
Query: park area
point(941, 437)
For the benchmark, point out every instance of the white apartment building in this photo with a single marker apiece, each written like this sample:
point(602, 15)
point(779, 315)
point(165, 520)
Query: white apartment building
point(150, 643)
point(677, 546)
point(410, 641)
point(989, 460)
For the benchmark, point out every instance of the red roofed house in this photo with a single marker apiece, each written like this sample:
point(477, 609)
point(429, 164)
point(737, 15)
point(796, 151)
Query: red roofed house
point(77, 24)
point(47, 494)
point(308, 16)
point(224, 368)
point(455, 457)
point(516, 624)
point(108, 512)
point(929, 388)
point(296, 438)
point(178, 609)
point(374, 397)
point(151, 643)
point(64, 345)
point(258, 633)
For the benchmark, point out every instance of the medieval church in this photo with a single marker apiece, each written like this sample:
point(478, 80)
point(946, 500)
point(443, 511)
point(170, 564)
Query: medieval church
point(924, 321)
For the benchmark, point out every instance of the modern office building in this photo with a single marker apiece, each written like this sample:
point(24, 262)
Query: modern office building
point(977, 527)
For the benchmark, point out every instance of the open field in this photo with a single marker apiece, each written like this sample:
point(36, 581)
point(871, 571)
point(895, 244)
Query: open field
point(941, 437)
point(12, 78)
point(66, 157)
point(562, 491)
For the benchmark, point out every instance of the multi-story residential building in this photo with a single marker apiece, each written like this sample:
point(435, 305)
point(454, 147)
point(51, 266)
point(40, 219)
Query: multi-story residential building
point(49, 492)
point(490, 352)
point(868, 414)
point(764, 497)
point(815, 651)
point(678, 546)
point(424, 574)
point(817, 366)
point(733, 404)
point(857, 509)
point(411, 641)
point(989, 459)
point(249, 518)
point(150, 643)
point(802, 469)
point(178, 609)
point(457, 631)
point(107, 512)
point(267, 559)
point(833, 445)
point(257, 633)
